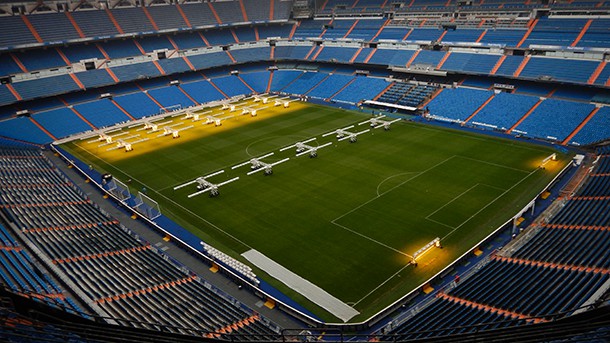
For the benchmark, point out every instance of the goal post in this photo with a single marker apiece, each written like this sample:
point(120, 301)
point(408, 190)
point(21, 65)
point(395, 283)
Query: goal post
point(147, 206)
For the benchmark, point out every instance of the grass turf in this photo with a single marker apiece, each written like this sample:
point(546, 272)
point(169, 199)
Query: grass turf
point(348, 220)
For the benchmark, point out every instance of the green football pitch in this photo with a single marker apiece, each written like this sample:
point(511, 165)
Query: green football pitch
point(349, 220)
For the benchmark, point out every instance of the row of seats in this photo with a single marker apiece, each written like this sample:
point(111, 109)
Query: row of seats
point(506, 110)
point(127, 279)
point(559, 268)
point(63, 26)
point(406, 94)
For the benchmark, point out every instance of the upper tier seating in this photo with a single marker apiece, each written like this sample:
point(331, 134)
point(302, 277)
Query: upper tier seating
point(53, 27)
point(559, 69)
point(19, 34)
point(555, 31)
point(166, 17)
point(132, 19)
point(331, 53)
point(391, 57)
point(596, 35)
point(474, 63)
point(94, 23)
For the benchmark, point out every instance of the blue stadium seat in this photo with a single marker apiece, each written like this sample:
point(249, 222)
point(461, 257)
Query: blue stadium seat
point(135, 71)
point(121, 48)
point(209, 60)
point(336, 54)
point(77, 53)
point(94, 23)
point(188, 40)
point(202, 91)
point(170, 96)
point(95, 78)
point(198, 14)
point(53, 27)
point(559, 69)
point(305, 83)
point(257, 80)
point(219, 37)
point(363, 88)
point(19, 34)
point(61, 122)
point(137, 104)
point(173, 65)
point(166, 17)
point(101, 113)
point(504, 110)
point(245, 34)
point(458, 104)
point(8, 65)
point(23, 129)
point(597, 128)
point(40, 59)
point(45, 86)
point(231, 85)
point(544, 123)
point(132, 20)
point(474, 63)
point(330, 86)
point(282, 78)
point(152, 43)
point(391, 57)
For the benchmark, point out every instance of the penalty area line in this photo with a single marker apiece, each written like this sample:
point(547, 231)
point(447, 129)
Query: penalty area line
point(380, 285)
point(491, 202)
point(371, 239)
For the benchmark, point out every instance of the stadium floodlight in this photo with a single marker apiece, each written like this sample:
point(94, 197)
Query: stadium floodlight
point(435, 243)
point(552, 157)
point(206, 186)
point(203, 185)
point(303, 148)
point(257, 165)
point(267, 167)
point(340, 133)
point(255, 162)
point(353, 136)
point(377, 122)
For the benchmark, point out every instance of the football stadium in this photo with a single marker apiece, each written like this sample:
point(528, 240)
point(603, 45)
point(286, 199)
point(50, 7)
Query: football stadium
point(305, 170)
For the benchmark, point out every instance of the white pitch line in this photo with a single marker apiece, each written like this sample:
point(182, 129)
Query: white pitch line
point(371, 239)
point(443, 224)
point(491, 202)
point(391, 189)
point(452, 200)
point(391, 177)
point(493, 164)
point(380, 285)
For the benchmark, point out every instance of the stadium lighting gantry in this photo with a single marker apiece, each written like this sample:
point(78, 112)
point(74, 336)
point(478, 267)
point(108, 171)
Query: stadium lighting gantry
point(435, 243)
